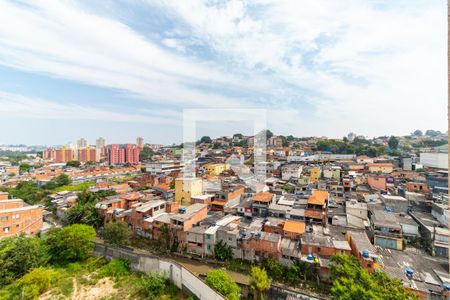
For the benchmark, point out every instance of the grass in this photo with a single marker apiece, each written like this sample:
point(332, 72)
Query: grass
point(74, 187)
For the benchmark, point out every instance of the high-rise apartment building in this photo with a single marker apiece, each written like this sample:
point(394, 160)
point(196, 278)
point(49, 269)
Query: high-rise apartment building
point(88, 154)
point(140, 142)
point(118, 154)
point(100, 143)
point(132, 153)
point(60, 155)
point(82, 143)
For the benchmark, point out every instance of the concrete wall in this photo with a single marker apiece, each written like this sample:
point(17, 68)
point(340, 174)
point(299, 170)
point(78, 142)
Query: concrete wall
point(180, 276)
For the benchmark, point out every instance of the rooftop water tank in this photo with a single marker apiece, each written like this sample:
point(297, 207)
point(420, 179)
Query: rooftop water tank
point(446, 286)
point(366, 254)
point(409, 272)
point(310, 257)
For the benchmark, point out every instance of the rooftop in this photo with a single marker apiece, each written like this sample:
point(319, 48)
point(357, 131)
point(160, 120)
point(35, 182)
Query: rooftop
point(263, 197)
point(318, 197)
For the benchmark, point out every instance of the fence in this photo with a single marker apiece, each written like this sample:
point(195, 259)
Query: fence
point(179, 275)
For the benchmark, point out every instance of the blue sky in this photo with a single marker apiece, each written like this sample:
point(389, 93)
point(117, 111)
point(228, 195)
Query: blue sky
point(122, 69)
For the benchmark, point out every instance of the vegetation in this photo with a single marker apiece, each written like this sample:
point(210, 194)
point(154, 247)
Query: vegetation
point(206, 140)
point(359, 146)
point(28, 191)
point(259, 282)
point(222, 251)
point(351, 281)
point(73, 163)
point(393, 142)
point(20, 255)
point(59, 181)
point(84, 210)
point(146, 153)
point(82, 186)
point(113, 279)
point(70, 244)
point(117, 233)
point(23, 168)
point(220, 281)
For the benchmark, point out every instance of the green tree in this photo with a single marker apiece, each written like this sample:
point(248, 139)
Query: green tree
point(417, 132)
point(220, 281)
point(146, 153)
point(73, 163)
point(117, 233)
point(259, 282)
point(351, 281)
point(393, 142)
point(222, 251)
point(18, 255)
point(431, 132)
point(24, 168)
point(84, 211)
point(275, 270)
point(72, 243)
point(164, 237)
point(238, 136)
point(206, 140)
point(60, 180)
point(28, 191)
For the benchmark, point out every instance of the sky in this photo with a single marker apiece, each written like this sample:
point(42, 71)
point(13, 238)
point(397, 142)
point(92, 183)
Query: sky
point(122, 69)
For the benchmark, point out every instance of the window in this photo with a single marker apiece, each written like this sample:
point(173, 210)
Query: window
point(5, 229)
point(16, 216)
point(4, 218)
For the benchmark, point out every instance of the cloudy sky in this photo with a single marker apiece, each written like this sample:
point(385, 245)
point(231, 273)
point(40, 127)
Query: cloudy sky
point(122, 69)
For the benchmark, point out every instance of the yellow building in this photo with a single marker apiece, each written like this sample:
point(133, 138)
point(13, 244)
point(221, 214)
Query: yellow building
point(217, 169)
point(185, 188)
point(315, 173)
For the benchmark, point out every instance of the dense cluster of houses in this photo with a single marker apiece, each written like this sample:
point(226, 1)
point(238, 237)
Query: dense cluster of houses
point(311, 206)
point(305, 210)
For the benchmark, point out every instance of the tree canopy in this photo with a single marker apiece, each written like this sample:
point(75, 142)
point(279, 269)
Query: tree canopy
point(72, 243)
point(220, 281)
point(73, 163)
point(393, 142)
point(259, 282)
point(222, 251)
point(351, 281)
point(117, 233)
point(18, 255)
point(206, 140)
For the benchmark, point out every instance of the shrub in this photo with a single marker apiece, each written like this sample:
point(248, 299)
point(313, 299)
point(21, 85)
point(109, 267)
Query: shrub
point(151, 285)
point(220, 281)
point(37, 282)
point(115, 268)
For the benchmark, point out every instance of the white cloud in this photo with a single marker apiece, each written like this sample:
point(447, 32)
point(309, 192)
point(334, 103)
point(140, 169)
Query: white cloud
point(60, 39)
point(368, 67)
point(320, 67)
point(13, 105)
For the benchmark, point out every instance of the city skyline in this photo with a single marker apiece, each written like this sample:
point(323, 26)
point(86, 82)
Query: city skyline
point(326, 69)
